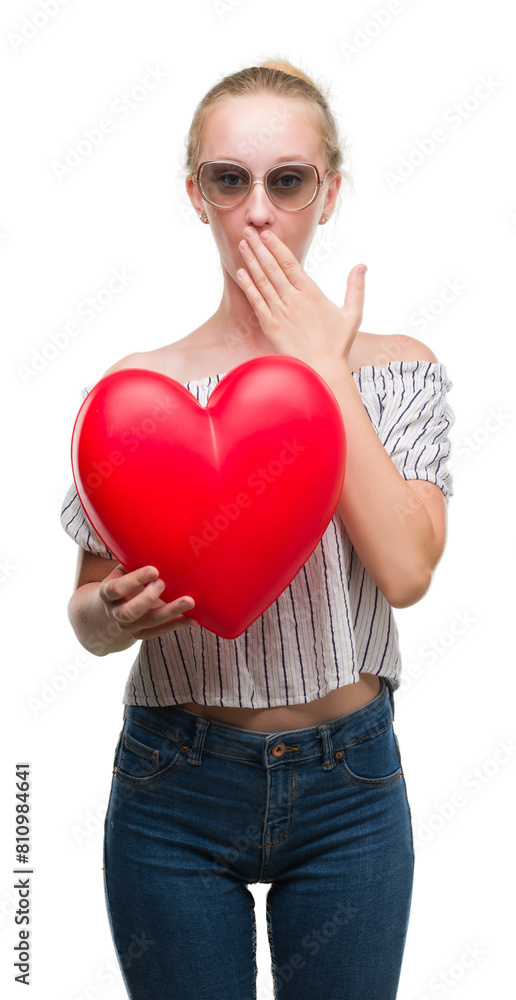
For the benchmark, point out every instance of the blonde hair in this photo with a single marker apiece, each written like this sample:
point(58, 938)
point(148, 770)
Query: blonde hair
point(281, 78)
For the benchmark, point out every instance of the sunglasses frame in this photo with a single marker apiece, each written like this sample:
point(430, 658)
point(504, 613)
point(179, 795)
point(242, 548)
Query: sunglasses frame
point(261, 180)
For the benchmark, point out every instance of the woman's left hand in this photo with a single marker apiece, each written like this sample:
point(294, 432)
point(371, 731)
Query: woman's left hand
point(293, 312)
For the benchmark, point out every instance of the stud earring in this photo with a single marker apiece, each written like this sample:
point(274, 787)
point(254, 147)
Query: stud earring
point(324, 218)
point(203, 217)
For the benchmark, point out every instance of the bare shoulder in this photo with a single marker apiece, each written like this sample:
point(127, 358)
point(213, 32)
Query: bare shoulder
point(410, 349)
point(166, 360)
point(130, 361)
point(380, 349)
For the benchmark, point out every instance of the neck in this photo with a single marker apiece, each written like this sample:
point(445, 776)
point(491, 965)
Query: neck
point(235, 325)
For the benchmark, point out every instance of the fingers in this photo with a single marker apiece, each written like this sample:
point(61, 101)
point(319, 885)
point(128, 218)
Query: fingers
point(255, 297)
point(355, 291)
point(133, 597)
point(271, 264)
point(288, 262)
point(266, 274)
point(169, 625)
point(144, 617)
point(124, 582)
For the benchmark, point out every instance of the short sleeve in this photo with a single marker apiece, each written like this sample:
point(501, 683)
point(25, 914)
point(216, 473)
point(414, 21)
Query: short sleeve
point(75, 522)
point(415, 418)
point(407, 404)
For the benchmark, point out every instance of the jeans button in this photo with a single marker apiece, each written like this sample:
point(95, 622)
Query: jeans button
point(279, 749)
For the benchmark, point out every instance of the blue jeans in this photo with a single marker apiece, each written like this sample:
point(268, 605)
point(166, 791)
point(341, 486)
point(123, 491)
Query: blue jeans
point(199, 810)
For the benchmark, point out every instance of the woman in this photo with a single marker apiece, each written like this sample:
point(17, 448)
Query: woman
point(295, 776)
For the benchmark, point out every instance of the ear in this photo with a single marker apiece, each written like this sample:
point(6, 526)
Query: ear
point(193, 194)
point(334, 182)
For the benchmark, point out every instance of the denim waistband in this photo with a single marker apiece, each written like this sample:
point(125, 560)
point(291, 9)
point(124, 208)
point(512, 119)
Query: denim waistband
point(326, 739)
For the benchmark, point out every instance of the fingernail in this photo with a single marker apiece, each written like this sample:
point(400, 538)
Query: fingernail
point(362, 269)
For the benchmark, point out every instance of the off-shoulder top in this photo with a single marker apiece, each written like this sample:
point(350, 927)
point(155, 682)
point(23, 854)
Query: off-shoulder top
point(332, 622)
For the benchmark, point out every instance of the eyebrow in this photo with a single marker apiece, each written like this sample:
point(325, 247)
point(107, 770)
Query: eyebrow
point(292, 157)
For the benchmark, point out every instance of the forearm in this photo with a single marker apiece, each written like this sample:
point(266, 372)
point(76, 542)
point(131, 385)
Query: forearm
point(398, 552)
point(91, 625)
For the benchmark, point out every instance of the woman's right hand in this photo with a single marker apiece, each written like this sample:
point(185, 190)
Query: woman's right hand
point(131, 599)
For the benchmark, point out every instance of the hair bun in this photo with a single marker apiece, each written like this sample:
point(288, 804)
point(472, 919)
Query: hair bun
point(286, 67)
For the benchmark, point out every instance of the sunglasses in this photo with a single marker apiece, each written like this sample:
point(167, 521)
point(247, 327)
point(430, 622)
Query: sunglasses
point(290, 186)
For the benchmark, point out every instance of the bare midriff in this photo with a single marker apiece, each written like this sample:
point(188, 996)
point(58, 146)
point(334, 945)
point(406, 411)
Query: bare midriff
point(287, 717)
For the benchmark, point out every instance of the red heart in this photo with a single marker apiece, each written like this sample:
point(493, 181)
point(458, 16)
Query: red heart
point(228, 501)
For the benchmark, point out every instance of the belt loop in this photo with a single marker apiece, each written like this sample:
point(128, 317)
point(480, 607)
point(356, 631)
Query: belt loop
point(201, 729)
point(325, 735)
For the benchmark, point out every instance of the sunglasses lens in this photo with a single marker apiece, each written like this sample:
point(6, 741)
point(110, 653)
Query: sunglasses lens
point(292, 185)
point(226, 184)
point(223, 183)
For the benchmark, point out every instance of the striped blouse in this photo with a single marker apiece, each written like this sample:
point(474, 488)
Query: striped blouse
point(332, 622)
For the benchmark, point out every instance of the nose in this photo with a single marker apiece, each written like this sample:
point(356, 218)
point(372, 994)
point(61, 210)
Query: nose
point(259, 210)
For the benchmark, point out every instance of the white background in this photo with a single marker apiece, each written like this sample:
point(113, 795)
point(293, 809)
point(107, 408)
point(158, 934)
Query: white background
point(453, 219)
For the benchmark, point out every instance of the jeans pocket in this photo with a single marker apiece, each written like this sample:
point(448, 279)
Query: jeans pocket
point(146, 757)
point(374, 760)
point(137, 759)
